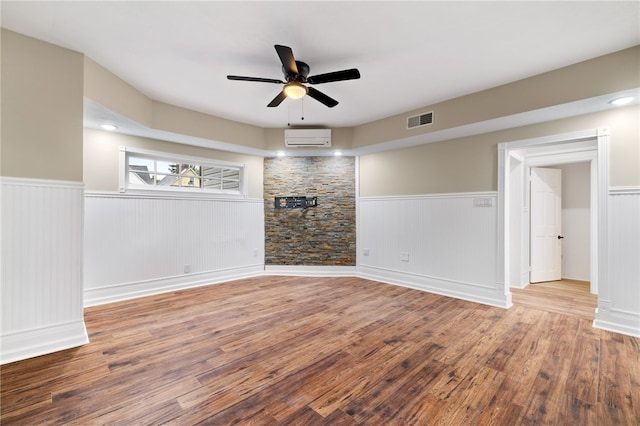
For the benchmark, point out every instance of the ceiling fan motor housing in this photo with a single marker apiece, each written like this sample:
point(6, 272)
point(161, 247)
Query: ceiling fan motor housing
point(303, 73)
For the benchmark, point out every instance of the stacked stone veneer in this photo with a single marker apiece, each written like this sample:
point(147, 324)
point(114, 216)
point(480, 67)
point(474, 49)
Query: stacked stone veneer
point(316, 236)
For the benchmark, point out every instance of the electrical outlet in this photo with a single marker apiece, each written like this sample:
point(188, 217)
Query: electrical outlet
point(365, 252)
point(404, 256)
point(255, 252)
point(187, 269)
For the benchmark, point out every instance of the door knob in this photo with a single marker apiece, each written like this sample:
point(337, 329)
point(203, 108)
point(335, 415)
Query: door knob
point(560, 237)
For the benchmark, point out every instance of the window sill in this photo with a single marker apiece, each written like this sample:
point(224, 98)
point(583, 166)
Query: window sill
point(168, 194)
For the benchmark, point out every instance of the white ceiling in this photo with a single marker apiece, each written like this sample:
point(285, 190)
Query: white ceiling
point(410, 54)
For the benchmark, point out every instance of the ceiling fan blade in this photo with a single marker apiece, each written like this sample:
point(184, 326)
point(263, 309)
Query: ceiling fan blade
point(258, 79)
point(286, 57)
point(321, 97)
point(277, 100)
point(350, 74)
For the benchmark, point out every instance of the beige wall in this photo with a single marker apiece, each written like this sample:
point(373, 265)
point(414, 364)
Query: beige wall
point(101, 156)
point(174, 119)
point(599, 76)
point(42, 135)
point(41, 98)
point(568, 84)
point(470, 164)
point(115, 94)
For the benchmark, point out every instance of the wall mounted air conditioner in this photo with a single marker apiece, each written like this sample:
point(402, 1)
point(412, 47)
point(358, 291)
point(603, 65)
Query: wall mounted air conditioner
point(307, 138)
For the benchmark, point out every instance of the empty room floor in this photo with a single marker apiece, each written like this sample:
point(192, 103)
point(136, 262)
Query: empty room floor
point(334, 351)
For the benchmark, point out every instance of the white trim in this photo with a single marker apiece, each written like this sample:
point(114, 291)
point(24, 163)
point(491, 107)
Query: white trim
point(563, 138)
point(593, 225)
point(122, 169)
point(431, 196)
point(9, 180)
point(600, 235)
point(25, 344)
point(133, 290)
point(624, 190)
point(481, 294)
point(616, 327)
point(616, 320)
point(605, 318)
point(174, 195)
point(581, 155)
point(311, 271)
point(182, 158)
point(357, 208)
point(563, 148)
point(124, 186)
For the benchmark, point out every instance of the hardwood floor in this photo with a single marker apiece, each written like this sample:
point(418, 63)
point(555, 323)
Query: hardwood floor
point(327, 351)
point(567, 297)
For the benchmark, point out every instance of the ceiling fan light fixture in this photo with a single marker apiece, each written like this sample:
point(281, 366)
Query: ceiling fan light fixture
point(294, 90)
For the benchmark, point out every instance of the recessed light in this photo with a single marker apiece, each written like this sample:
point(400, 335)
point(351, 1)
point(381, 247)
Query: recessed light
point(109, 127)
point(622, 101)
point(280, 154)
point(337, 153)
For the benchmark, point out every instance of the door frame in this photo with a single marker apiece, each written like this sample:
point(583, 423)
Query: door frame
point(514, 160)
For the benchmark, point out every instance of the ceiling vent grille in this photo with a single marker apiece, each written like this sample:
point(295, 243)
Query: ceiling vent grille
point(420, 120)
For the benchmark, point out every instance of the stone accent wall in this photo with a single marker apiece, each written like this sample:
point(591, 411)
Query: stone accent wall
point(316, 236)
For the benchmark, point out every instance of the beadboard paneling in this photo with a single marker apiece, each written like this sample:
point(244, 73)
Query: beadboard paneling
point(136, 245)
point(621, 310)
point(439, 243)
point(41, 287)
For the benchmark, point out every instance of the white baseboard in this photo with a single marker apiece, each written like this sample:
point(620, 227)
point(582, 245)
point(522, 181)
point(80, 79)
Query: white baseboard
point(311, 271)
point(466, 291)
point(520, 286)
point(617, 328)
point(616, 320)
point(126, 291)
point(21, 345)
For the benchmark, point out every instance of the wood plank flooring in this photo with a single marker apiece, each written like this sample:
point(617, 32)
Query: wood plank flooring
point(567, 297)
point(327, 351)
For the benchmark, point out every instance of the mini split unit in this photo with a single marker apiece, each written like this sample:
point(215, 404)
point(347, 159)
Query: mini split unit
point(307, 138)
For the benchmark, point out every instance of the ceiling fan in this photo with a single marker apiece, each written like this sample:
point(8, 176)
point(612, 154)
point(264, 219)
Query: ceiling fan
point(296, 75)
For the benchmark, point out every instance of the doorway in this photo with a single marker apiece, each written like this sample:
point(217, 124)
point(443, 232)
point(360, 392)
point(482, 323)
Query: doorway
point(546, 160)
point(560, 223)
point(514, 162)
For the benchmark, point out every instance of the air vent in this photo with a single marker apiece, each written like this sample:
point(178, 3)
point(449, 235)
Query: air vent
point(420, 120)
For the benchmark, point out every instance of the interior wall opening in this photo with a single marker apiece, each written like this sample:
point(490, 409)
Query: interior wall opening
point(588, 149)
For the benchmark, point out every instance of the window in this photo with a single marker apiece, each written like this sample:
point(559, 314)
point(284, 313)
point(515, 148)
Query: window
point(159, 171)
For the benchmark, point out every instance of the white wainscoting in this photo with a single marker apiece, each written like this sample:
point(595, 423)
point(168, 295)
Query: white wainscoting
point(141, 245)
point(444, 244)
point(41, 288)
point(619, 296)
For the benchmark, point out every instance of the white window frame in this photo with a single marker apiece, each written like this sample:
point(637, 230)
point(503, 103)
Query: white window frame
point(125, 186)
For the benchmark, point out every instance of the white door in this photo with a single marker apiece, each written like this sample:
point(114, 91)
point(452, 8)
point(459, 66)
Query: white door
point(546, 236)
